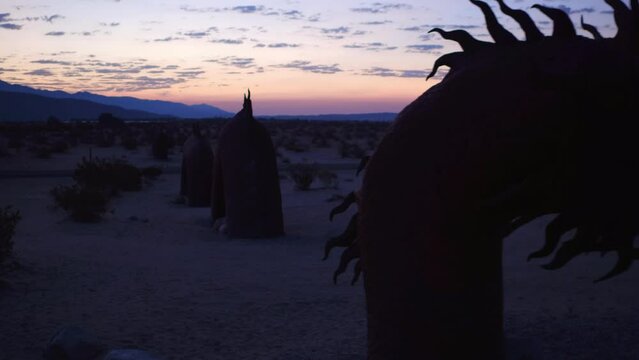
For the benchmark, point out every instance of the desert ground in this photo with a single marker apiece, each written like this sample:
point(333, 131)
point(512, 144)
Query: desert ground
point(154, 275)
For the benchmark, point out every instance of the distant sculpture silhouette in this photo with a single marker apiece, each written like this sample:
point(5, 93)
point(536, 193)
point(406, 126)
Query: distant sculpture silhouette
point(514, 131)
point(197, 169)
point(246, 184)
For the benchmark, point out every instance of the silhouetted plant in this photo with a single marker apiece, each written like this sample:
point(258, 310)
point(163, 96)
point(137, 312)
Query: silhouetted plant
point(110, 175)
point(151, 172)
point(9, 218)
point(303, 175)
point(328, 179)
point(83, 203)
point(161, 146)
point(130, 142)
point(349, 150)
point(108, 120)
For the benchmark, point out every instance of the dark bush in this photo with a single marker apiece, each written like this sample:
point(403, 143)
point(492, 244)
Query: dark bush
point(84, 204)
point(162, 144)
point(303, 175)
point(151, 172)
point(130, 142)
point(348, 150)
point(8, 220)
point(109, 175)
point(328, 179)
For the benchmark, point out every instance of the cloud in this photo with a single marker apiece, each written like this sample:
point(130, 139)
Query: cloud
point(234, 61)
point(307, 66)
point(4, 17)
point(428, 27)
point(376, 22)
point(337, 30)
point(168, 39)
point(52, 62)
point(385, 72)
point(380, 8)
point(52, 18)
point(112, 24)
point(55, 33)
point(10, 26)
point(372, 46)
point(283, 45)
point(228, 41)
point(424, 48)
point(145, 83)
point(190, 74)
point(248, 9)
point(39, 72)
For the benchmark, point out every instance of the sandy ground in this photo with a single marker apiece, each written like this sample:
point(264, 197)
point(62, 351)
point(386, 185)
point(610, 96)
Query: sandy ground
point(164, 282)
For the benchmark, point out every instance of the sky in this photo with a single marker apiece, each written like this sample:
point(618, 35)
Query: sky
point(297, 57)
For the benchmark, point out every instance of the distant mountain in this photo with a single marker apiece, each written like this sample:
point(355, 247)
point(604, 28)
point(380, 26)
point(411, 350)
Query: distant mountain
point(16, 106)
point(162, 108)
point(336, 117)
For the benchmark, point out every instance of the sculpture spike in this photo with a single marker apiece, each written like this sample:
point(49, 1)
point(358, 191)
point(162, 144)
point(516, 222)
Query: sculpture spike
point(467, 42)
point(351, 253)
point(451, 60)
point(563, 28)
point(524, 20)
point(496, 30)
point(623, 263)
point(249, 94)
point(554, 231)
point(346, 203)
point(623, 17)
point(591, 29)
point(343, 240)
point(357, 271)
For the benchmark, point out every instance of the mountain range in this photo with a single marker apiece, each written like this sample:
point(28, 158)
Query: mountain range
point(156, 107)
point(23, 103)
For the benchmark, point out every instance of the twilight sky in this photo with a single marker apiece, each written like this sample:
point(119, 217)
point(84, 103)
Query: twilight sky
point(297, 57)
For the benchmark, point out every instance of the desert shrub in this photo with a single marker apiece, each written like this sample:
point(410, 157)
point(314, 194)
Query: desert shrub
point(349, 150)
point(292, 144)
point(303, 175)
point(328, 179)
point(59, 146)
point(41, 151)
point(129, 142)
point(4, 146)
point(162, 144)
point(16, 142)
point(110, 175)
point(151, 172)
point(83, 203)
point(9, 218)
point(105, 139)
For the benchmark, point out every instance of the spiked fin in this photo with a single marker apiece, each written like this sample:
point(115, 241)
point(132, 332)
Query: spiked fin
point(467, 42)
point(357, 271)
point(346, 203)
point(582, 242)
point(563, 28)
point(451, 60)
point(554, 231)
point(362, 164)
point(623, 263)
point(343, 240)
point(351, 253)
point(623, 17)
point(524, 20)
point(496, 30)
point(591, 29)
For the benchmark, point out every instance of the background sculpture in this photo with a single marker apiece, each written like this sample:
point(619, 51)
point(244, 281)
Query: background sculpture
point(197, 169)
point(516, 130)
point(246, 184)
